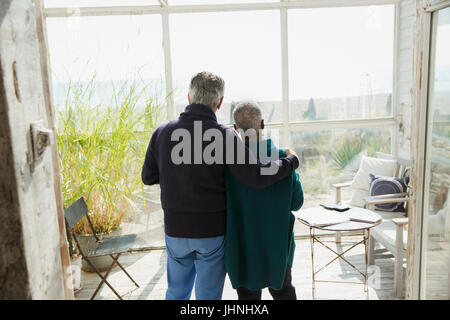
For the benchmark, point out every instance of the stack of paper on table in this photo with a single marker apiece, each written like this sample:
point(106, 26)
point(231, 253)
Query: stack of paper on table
point(366, 216)
point(324, 218)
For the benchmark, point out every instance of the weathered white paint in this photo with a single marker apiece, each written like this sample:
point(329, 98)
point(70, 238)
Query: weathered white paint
point(406, 125)
point(22, 100)
point(421, 54)
point(48, 100)
point(404, 77)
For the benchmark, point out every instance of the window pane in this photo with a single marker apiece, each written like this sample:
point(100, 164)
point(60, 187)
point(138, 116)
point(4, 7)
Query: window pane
point(108, 84)
point(97, 3)
point(333, 156)
point(436, 246)
point(341, 62)
point(107, 50)
point(241, 47)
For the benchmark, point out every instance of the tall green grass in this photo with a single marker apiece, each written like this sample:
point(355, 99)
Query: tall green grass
point(102, 147)
point(348, 148)
point(351, 144)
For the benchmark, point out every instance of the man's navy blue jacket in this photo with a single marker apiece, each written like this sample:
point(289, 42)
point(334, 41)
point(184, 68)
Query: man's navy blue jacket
point(193, 195)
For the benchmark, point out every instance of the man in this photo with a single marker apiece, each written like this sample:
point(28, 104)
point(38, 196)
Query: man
point(259, 237)
point(193, 188)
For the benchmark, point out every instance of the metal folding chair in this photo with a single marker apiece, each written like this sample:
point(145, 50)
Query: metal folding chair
point(112, 246)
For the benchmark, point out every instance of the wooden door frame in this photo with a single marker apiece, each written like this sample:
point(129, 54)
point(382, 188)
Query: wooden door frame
point(421, 59)
point(48, 98)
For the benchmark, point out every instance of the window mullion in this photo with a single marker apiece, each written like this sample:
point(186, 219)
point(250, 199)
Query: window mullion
point(342, 124)
point(395, 91)
point(286, 141)
point(167, 64)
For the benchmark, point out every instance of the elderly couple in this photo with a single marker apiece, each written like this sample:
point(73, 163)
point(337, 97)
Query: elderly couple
point(228, 215)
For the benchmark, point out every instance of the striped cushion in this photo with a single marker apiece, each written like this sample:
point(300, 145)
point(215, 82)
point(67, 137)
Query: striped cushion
point(380, 185)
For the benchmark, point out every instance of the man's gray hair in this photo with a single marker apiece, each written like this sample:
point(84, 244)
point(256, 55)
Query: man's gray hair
point(207, 89)
point(247, 115)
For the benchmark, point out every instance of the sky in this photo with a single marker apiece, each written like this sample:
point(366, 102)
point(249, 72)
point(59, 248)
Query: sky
point(442, 52)
point(333, 52)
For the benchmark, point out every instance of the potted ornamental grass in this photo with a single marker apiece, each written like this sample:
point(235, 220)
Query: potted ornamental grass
point(101, 144)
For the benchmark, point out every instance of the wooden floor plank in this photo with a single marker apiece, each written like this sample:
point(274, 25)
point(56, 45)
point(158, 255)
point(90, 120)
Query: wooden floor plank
point(148, 268)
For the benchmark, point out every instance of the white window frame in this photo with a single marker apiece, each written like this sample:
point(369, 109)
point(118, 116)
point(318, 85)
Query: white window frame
point(417, 246)
point(164, 9)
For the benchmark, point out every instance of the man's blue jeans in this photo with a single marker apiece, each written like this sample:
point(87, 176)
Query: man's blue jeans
point(199, 260)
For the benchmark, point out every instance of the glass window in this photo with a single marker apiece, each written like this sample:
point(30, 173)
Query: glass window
point(340, 62)
point(242, 47)
point(436, 238)
point(108, 79)
point(106, 50)
point(339, 72)
point(333, 156)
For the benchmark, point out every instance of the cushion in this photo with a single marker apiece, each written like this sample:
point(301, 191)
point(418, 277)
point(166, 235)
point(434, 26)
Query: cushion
point(379, 167)
point(387, 185)
point(386, 156)
point(361, 182)
point(357, 199)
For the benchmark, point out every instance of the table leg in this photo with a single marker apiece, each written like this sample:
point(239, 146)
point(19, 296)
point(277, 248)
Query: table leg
point(311, 236)
point(366, 258)
point(365, 240)
point(338, 237)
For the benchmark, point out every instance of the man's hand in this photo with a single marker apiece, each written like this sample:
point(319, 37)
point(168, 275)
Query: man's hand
point(289, 151)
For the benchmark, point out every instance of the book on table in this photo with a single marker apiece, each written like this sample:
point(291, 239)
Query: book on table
point(322, 219)
point(366, 216)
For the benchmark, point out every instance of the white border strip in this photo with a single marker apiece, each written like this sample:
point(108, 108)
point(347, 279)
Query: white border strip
point(154, 9)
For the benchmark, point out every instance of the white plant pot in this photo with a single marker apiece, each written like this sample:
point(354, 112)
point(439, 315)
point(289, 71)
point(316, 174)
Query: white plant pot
point(76, 273)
